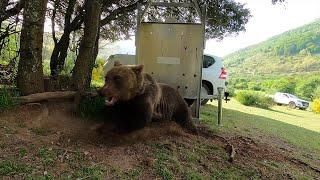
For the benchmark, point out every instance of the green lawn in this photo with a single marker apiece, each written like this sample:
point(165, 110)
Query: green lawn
point(295, 127)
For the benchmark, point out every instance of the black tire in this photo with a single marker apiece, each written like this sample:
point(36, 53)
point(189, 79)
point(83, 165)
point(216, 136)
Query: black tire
point(292, 105)
point(205, 101)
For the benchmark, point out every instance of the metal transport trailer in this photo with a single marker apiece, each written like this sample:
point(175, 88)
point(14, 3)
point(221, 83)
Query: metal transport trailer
point(172, 52)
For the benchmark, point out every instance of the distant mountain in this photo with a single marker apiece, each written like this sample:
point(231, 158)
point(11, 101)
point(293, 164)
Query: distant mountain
point(295, 51)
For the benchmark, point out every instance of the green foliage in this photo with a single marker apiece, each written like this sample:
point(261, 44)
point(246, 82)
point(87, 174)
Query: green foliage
point(6, 99)
point(92, 108)
point(231, 91)
point(46, 67)
point(10, 49)
point(22, 152)
point(47, 157)
point(97, 79)
point(315, 106)
point(193, 175)
point(92, 172)
point(307, 88)
point(68, 66)
point(253, 98)
point(293, 51)
point(285, 85)
point(9, 167)
point(317, 92)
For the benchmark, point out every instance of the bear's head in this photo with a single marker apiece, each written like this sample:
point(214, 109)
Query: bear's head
point(122, 83)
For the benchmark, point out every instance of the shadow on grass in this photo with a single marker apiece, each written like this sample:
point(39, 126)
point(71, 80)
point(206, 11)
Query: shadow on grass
point(284, 113)
point(297, 136)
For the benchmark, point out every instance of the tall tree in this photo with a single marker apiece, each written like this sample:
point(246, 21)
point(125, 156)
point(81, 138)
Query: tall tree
point(60, 50)
point(89, 45)
point(30, 69)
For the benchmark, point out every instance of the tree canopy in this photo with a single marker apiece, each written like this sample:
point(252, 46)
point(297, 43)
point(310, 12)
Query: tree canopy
point(116, 21)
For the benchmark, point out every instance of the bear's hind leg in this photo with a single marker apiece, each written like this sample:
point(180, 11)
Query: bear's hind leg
point(182, 116)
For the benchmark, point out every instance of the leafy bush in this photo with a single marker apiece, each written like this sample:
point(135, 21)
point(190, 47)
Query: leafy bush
point(254, 86)
point(315, 106)
point(253, 98)
point(6, 99)
point(98, 74)
point(92, 108)
point(317, 92)
point(284, 85)
point(67, 68)
point(231, 91)
point(307, 87)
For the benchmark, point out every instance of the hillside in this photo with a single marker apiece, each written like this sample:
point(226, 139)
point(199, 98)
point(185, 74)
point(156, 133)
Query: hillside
point(295, 51)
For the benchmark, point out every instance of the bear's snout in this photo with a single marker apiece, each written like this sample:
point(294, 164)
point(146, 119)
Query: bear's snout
point(110, 94)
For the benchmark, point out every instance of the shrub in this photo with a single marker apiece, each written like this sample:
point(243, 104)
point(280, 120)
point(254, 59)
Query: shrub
point(307, 87)
point(253, 98)
point(317, 92)
point(6, 100)
point(231, 91)
point(92, 108)
point(254, 86)
point(315, 106)
point(98, 74)
point(284, 85)
point(241, 85)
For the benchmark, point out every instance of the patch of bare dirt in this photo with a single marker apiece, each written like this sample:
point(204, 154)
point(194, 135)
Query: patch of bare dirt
point(74, 143)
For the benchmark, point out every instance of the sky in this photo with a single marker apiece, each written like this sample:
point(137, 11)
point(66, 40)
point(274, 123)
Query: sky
point(267, 20)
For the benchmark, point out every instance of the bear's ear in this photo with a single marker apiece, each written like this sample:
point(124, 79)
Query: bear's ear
point(137, 69)
point(117, 63)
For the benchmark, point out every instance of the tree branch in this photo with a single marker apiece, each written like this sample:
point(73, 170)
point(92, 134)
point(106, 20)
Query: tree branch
point(114, 14)
point(13, 11)
point(54, 12)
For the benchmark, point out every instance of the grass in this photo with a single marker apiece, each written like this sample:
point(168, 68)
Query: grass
point(48, 157)
point(170, 157)
point(6, 100)
point(92, 172)
point(10, 167)
point(296, 127)
point(254, 98)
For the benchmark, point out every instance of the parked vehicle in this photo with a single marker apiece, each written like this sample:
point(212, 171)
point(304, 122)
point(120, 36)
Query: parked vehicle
point(291, 100)
point(214, 75)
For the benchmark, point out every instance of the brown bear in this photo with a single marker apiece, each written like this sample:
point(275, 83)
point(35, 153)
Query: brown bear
point(133, 99)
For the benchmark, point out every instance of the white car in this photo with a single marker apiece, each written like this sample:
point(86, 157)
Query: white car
point(214, 75)
point(291, 100)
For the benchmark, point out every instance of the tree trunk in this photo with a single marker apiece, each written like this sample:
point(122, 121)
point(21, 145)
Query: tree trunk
point(30, 69)
point(60, 50)
point(59, 55)
point(33, 98)
point(88, 48)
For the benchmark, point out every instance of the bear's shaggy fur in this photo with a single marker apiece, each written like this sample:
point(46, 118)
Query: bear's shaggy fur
point(134, 98)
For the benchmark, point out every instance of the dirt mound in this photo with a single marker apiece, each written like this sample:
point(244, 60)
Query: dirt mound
point(57, 119)
point(48, 139)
